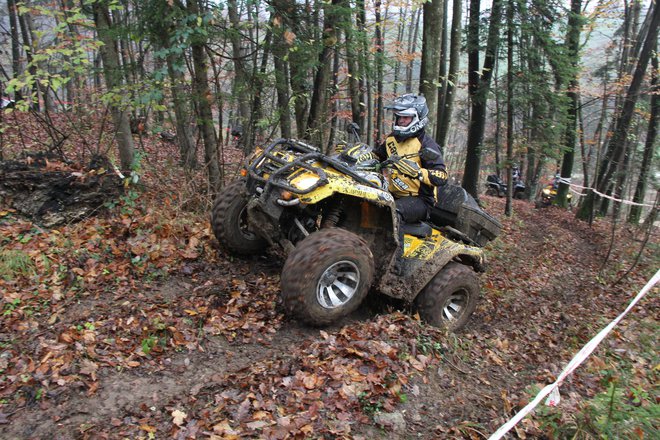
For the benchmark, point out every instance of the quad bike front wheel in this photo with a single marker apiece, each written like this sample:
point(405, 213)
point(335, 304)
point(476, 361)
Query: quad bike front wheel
point(327, 276)
point(450, 297)
point(229, 221)
point(491, 192)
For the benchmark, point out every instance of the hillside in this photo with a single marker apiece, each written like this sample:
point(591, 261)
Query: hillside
point(134, 325)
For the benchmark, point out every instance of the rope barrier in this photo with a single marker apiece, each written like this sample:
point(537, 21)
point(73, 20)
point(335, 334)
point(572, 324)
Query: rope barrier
point(553, 389)
point(567, 181)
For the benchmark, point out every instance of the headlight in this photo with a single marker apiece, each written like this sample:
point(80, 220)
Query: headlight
point(546, 192)
point(305, 182)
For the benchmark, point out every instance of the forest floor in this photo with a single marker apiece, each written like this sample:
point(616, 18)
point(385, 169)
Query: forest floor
point(135, 325)
point(250, 372)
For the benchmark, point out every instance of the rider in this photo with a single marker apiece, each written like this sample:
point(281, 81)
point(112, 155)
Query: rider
point(413, 180)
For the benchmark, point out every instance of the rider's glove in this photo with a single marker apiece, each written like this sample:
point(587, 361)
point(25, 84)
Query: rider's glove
point(409, 168)
point(366, 156)
point(435, 177)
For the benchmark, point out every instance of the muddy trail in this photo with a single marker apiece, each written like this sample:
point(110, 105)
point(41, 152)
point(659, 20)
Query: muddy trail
point(209, 353)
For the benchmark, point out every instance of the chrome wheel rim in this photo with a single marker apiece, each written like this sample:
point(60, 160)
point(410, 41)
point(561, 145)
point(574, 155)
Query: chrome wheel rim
point(455, 306)
point(338, 284)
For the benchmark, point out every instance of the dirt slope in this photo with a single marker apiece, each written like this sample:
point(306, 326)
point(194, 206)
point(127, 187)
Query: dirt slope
point(226, 363)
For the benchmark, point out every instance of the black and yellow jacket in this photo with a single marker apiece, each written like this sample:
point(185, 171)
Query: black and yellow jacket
point(433, 172)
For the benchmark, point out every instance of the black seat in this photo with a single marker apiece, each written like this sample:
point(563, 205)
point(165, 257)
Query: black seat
point(419, 229)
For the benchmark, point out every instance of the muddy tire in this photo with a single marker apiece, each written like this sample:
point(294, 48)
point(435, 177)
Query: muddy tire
point(327, 276)
point(491, 192)
point(229, 222)
point(449, 299)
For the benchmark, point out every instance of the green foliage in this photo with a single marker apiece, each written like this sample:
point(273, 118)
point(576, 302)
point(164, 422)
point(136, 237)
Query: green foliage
point(15, 263)
point(148, 344)
point(368, 405)
point(56, 64)
point(426, 345)
point(622, 410)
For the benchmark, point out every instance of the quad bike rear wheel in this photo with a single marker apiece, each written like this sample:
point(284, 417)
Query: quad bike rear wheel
point(229, 221)
point(327, 276)
point(491, 192)
point(450, 297)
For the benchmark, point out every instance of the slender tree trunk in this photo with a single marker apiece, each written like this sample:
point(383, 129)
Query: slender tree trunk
point(364, 67)
point(428, 76)
point(509, 108)
point(379, 38)
point(15, 44)
point(241, 78)
point(614, 154)
point(318, 108)
point(356, 95)
point(570, 136)
point(412, 48)
point(202, 97)
point(281, 73)
point(650, 146)
point(184, 134)
point(335, 103)
point(479, 87)
point(113, 81)
point(402, 25)
point(32, 68)
point(445, 112)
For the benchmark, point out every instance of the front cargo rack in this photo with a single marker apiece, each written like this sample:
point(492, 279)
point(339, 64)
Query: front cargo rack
point(305, 157)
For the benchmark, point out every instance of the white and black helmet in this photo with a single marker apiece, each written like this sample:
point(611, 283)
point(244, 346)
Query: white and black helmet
point(409, 105)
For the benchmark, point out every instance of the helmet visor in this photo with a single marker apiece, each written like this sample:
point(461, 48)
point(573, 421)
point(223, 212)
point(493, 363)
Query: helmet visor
point(406, 112)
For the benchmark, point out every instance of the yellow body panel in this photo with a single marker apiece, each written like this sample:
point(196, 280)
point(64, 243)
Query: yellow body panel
point(426, 248)
point(337, 183)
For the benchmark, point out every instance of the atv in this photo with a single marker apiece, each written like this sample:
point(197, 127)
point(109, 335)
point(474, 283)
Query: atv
point(496, 187)
point(548, 194)
point(337, 223)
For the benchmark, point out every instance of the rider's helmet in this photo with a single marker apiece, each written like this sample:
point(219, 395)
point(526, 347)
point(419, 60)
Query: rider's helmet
point(409, 105)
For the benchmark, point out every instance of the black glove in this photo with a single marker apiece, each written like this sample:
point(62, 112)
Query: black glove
point(408, 168)
point(366, 156)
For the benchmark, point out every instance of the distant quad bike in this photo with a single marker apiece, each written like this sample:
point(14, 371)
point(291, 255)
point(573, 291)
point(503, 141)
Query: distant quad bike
point(496, 187)
point(548, 194)
point(335, 219)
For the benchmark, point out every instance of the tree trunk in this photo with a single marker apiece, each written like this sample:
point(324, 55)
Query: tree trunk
point(32, 68)
point(318, 108)
point(202, 97)
point(241, 78)
point(614, 154)
point(428, 76)
point(379, 39)
point(113, 81)
point(281, 73)
point(412, 48)
point(478, 88)
point(446, 105)
point(364, 68)
point(15, 44)
point(509, 108)
point(356, 96)
point(570, 136)
point(184, 134)
point(649, 147)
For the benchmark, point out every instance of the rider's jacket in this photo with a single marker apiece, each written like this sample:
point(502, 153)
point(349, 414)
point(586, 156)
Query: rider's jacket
point(433, 173)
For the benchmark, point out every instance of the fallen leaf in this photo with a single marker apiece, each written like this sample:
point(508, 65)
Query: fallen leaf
point(178, 417)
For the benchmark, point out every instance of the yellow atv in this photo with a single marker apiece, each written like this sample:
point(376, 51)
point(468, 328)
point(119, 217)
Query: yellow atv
point(337, 222)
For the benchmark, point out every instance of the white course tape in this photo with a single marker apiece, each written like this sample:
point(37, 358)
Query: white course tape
point(572, 365)
point(625, 202)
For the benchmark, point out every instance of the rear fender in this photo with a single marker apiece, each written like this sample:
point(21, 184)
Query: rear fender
point(418, 272)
